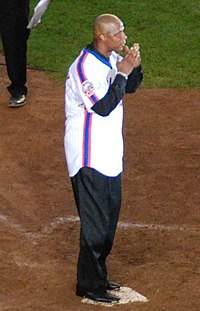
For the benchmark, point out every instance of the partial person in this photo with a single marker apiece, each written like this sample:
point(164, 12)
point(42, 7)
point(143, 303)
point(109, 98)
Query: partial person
point(14, 16)
point(95, 86)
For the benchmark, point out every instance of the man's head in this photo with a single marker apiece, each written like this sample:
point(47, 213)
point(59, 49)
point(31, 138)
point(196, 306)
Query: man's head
point(108, 34)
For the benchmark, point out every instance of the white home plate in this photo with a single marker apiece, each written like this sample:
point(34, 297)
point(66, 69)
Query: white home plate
point(126, 295)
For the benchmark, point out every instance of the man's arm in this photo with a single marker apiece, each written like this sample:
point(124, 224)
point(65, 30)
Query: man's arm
point(127, 80)
point(115, 93)
point(134, 80)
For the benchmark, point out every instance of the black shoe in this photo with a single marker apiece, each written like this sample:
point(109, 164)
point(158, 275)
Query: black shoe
point(98, 297)
point(112, 285)
point(18, 101)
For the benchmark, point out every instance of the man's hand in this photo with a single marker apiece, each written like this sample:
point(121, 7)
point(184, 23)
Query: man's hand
point(131, 59)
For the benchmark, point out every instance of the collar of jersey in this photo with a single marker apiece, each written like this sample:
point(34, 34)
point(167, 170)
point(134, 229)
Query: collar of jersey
point(100, 57)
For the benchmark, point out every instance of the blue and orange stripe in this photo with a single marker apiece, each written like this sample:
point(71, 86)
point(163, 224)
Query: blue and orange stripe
point(86, 146)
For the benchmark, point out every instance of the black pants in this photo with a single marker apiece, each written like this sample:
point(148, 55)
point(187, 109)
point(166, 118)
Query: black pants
point(14, 16)
point(98, 201)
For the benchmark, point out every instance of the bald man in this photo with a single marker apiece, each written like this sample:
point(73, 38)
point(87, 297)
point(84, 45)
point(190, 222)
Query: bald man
point(95, 86)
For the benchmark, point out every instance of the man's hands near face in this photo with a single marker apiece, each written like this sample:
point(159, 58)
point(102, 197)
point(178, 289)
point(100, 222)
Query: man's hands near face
point(131, 59)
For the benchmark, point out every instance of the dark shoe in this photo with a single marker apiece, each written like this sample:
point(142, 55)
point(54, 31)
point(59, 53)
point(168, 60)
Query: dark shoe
point(112, 285)
point(98, 297)
point(18, 101)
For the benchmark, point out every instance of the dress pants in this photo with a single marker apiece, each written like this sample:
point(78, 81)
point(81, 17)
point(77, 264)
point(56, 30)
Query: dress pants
point(14, 15)
point(98, 201)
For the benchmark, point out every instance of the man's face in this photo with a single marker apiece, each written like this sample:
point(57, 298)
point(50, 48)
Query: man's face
point(115, 37)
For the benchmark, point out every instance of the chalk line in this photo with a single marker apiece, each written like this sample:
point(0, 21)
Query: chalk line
point(48, 229)
point(126, 225)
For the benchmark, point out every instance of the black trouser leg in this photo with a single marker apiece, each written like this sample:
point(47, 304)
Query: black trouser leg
point(14, 34)
point(115, 205)
point(98, 200)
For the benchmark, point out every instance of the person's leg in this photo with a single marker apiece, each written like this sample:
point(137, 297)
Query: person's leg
point(14, 38)
point(93, 199)
point(115, 196)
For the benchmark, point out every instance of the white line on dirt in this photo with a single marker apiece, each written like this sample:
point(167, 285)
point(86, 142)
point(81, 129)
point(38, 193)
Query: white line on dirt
point(127, 225)
point(3, 218)
point(121, 225)
point(47, 230)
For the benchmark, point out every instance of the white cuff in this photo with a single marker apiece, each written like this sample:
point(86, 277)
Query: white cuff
point(123, 74)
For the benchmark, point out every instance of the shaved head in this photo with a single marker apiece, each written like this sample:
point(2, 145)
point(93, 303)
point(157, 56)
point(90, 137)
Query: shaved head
point(108, 34)
point(105, 23)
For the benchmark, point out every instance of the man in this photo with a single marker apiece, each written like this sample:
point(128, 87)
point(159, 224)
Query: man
point(14, 16)
point(95, 86)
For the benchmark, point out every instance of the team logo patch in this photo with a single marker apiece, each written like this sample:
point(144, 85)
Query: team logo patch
point(88, 88)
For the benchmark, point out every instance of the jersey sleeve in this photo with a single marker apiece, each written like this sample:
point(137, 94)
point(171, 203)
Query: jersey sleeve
point(89, 81)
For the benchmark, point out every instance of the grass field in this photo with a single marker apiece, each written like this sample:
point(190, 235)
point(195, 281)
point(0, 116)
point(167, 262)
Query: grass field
point(168, 32)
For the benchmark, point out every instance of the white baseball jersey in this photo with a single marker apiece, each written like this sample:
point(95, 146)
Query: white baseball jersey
point(92, 140)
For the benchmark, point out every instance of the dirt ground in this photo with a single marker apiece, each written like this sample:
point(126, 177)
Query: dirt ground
point(156, 250)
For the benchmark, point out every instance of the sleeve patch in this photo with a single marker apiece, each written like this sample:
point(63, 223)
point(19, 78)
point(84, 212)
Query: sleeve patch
point(88, 88)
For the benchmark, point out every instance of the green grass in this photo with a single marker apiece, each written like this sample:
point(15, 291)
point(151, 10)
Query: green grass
point(168, 32)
